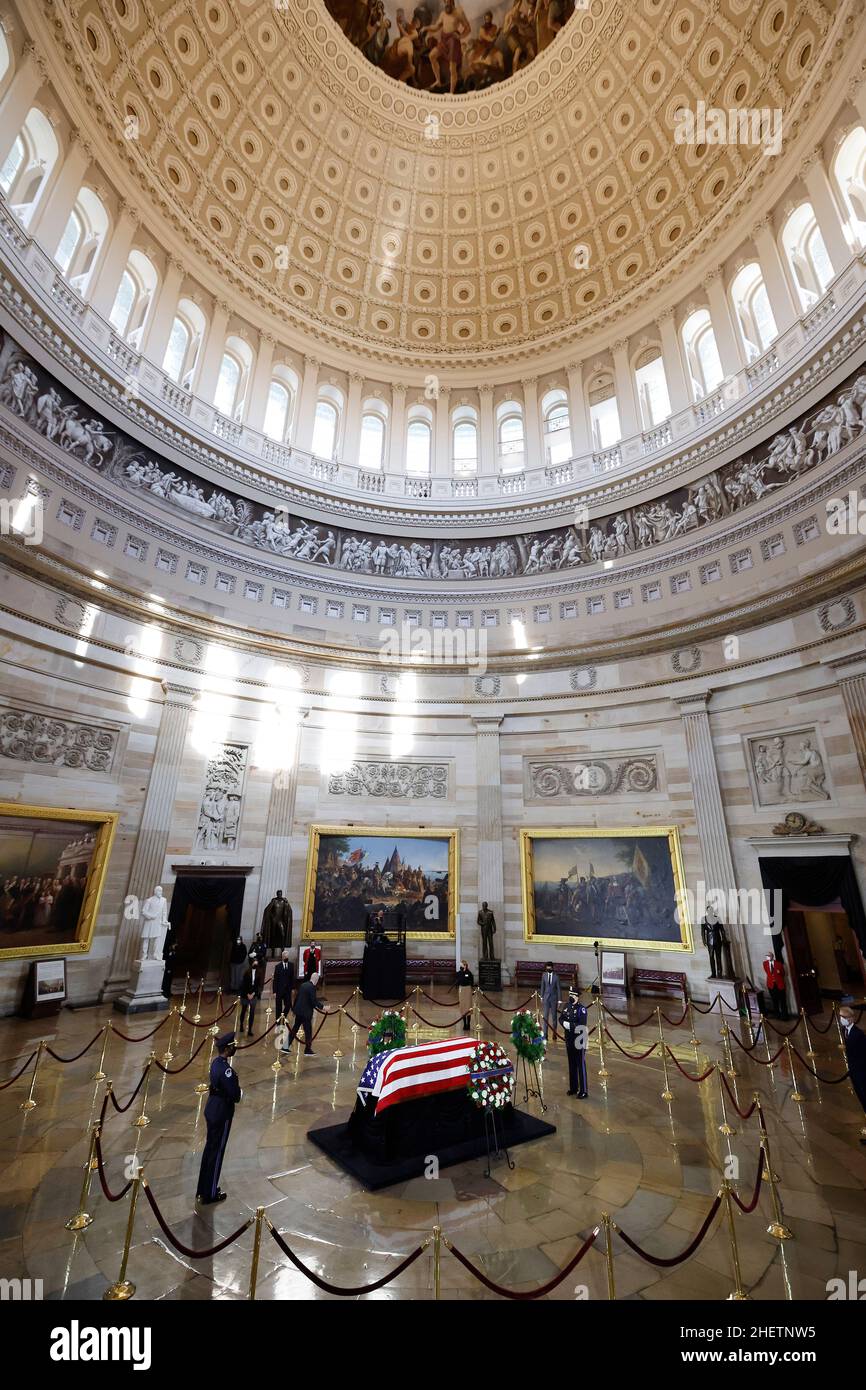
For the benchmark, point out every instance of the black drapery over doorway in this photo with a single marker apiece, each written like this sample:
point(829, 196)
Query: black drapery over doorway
point(204, 919)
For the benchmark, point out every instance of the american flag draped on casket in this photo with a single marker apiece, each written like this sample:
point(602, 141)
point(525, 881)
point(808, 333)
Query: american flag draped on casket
point(421, 1070)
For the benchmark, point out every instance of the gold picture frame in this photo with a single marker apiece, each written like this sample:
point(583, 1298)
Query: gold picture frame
point(79, 936)
point(604, 835)
point(389, 835)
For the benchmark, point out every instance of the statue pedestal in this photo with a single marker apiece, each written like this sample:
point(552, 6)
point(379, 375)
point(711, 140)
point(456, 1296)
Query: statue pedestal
point(489, 974)
point(729, 989)
point(144, 991)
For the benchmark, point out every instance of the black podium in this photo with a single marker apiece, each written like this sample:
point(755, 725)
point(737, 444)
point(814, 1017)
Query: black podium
point(383, 971)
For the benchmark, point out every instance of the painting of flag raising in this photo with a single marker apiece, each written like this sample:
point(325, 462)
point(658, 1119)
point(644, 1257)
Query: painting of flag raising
point(406, 873)
point(617, 887)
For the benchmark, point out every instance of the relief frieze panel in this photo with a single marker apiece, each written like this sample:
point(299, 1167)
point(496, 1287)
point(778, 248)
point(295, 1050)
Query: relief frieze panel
point(391, 779)
point(601, 776)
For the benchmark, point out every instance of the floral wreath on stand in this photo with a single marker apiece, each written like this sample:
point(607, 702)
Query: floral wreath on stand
point(527, 1040)
point(387, 1032)
point(491, 1076)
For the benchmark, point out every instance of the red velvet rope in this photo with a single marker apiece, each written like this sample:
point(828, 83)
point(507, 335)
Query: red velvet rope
point(23, 1068)
point(355, 1020)
point(442, 1003)
point(687, 1074)
point(769, 1061)
point(334, 1288)
point(741, 1045)
point(58, 1058)
point(676, 1022)
point(503, 1009)
point(506, 1032)
point(395, 1005)
point(827, 1080)
point(830, 1021)
point(243, 1047)
point(783, 1032)
point(628, 1023)
point(532, 1293)
point(757, 1192)
point(684, 1254)
point(632, 1056)
point(112, 1196)
point(700, 1008)
point(144, 1037)
point(743, 1114)
point(175, 1071)
point(185, 1249)
point(121, 1108)
point(431, 1024)
point(208, 1022)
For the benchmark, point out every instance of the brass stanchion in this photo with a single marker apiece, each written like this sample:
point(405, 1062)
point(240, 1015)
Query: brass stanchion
point(185, 988)
point(337, 1050)
point(724, 1127)
point(205, 1085)
point(839, 1033)
point(30, 1103)
point(810, 1051)
point(143, 1118)
point(276, 1065)
point(694, 1038)
point(82, 1218)
point(726, 1048)
point(168, 1055)
point(602, 1071)
point(537, 1009)
point(766, 1035)
point(437, 1261)
point(477, 1010)
point(746, 1016)
point(608, 1254)
point(257, 1245)
point(739, 1294)
point(122, 1289)
point(100, 1073)
point(214, 1028)
point(196, 1018)
point(236, 1025)
point(667, 1093)
point(796, 1094)
point(777, 1227)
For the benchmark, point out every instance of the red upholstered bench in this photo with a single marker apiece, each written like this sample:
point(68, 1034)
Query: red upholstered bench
point(660, 983)
point(436, 969)
point(342, 968)
point(531, 971)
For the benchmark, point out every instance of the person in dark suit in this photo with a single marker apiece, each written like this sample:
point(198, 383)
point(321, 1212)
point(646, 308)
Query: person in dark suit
point(305, 1005)
point(283, 983)
point(250, 996)
point(573, 1020)
point(855, 1053)
point(465, 983)
point(225, 1092)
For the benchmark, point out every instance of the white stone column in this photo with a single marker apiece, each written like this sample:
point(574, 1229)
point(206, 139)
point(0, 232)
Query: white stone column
point(678, 387)
point(578, 414)
point(785, 310)
point(18, 99)
point(533, 449)
point(110, 273)
point(727, 339)
point(826, 211)
point(850, 674)
point(257, 396)
point(856, 91)
point(306, 414)
point(487, 431)
point(50, 219)
point(351, 447)
point(157, 329)
point(488, 780)
point(150, 847)
point(442, 435)
point(397, 439)
point(710, 817)
point(277, 852)
point(626, 401)
point(211, 356)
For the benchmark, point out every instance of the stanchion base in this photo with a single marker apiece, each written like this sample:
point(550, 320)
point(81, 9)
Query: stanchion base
point(99, 1076)
point(738, 1297)
point(200, 1089)
point(141, 1122)
point(779, 1232)
point(603, 1073)
point(27, 1105)
point(694, 1042)
point(727, 1130)
point(167, 1057)
point(667, 1095)
point(337, 1056)
point(79, 1222)
point(119, 1293)
point(795, 1095)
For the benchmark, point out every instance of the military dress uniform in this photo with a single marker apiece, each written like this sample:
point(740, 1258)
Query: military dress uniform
point(225, 1092)
point(572, 1018)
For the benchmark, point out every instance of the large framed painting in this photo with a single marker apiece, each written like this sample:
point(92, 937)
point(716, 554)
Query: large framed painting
point(52, 870)
point(410, 875)
point(621, 888)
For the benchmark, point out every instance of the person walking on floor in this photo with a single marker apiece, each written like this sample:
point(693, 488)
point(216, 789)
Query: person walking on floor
point(465, 984)
point(551, 996)
point(236, 965)
point(224, 1094)
point(250, 996)
point(283, 984)
point(855, 1053)
point(305, 1005)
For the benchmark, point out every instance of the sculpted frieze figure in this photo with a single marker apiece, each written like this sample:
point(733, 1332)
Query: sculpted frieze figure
point(788, 767)
point(220, 809)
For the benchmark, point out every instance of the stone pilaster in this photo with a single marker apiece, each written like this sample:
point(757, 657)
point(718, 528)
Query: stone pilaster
point(488, 778)
point(152, 843)
point(276, 856)
point(850, 673)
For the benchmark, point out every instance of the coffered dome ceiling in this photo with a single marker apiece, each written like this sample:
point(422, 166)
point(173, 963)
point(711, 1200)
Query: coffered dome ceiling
point(383, 218)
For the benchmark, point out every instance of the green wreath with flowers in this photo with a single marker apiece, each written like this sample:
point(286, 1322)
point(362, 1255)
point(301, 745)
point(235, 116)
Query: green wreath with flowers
point(491, 1076)
point(388, 1032)
point(526, 1037)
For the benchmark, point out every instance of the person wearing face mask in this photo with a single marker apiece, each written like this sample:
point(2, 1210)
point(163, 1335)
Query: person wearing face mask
point(855, 1053)
point(237, 960)
point(225, 1092)
point(465, 982)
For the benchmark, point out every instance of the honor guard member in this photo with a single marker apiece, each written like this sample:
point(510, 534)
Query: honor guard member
point(573, 1020)
point(225, 1092)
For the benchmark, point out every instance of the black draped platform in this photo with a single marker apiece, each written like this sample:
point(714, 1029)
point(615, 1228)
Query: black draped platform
point(383, 971)
point(380, 1150)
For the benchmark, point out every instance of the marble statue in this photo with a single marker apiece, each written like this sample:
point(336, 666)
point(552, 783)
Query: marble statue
point(154, 912)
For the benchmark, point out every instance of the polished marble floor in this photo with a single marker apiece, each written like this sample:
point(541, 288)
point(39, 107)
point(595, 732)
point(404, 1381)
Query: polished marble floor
point(654, 1166)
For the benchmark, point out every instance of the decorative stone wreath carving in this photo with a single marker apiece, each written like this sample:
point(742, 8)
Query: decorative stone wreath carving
point(603, 776)
point(396, 780)
point(28, 736)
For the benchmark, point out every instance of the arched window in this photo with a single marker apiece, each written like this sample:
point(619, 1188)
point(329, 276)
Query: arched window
point(69, 242)
point(652, 388)
point(806, 254)
point(4, 56)
point(233, 376)
point(510, 438)
point(702, 354)
point(603, 412)
point(557, 426)
point(752, 306)
point(82, 237)
point(187, 332)
point(325, 429)
point(464, 440)
point(28, 165)
point(277, 411)
point(134, 296)
point(175, 353)
point(849, 171)
point(371, 449)
point(419, 440)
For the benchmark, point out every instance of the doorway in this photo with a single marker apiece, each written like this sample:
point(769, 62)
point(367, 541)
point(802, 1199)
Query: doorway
point(205, 918)
point(836, 958)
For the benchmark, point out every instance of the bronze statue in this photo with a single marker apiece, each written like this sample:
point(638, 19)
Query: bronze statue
point(277, 923)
